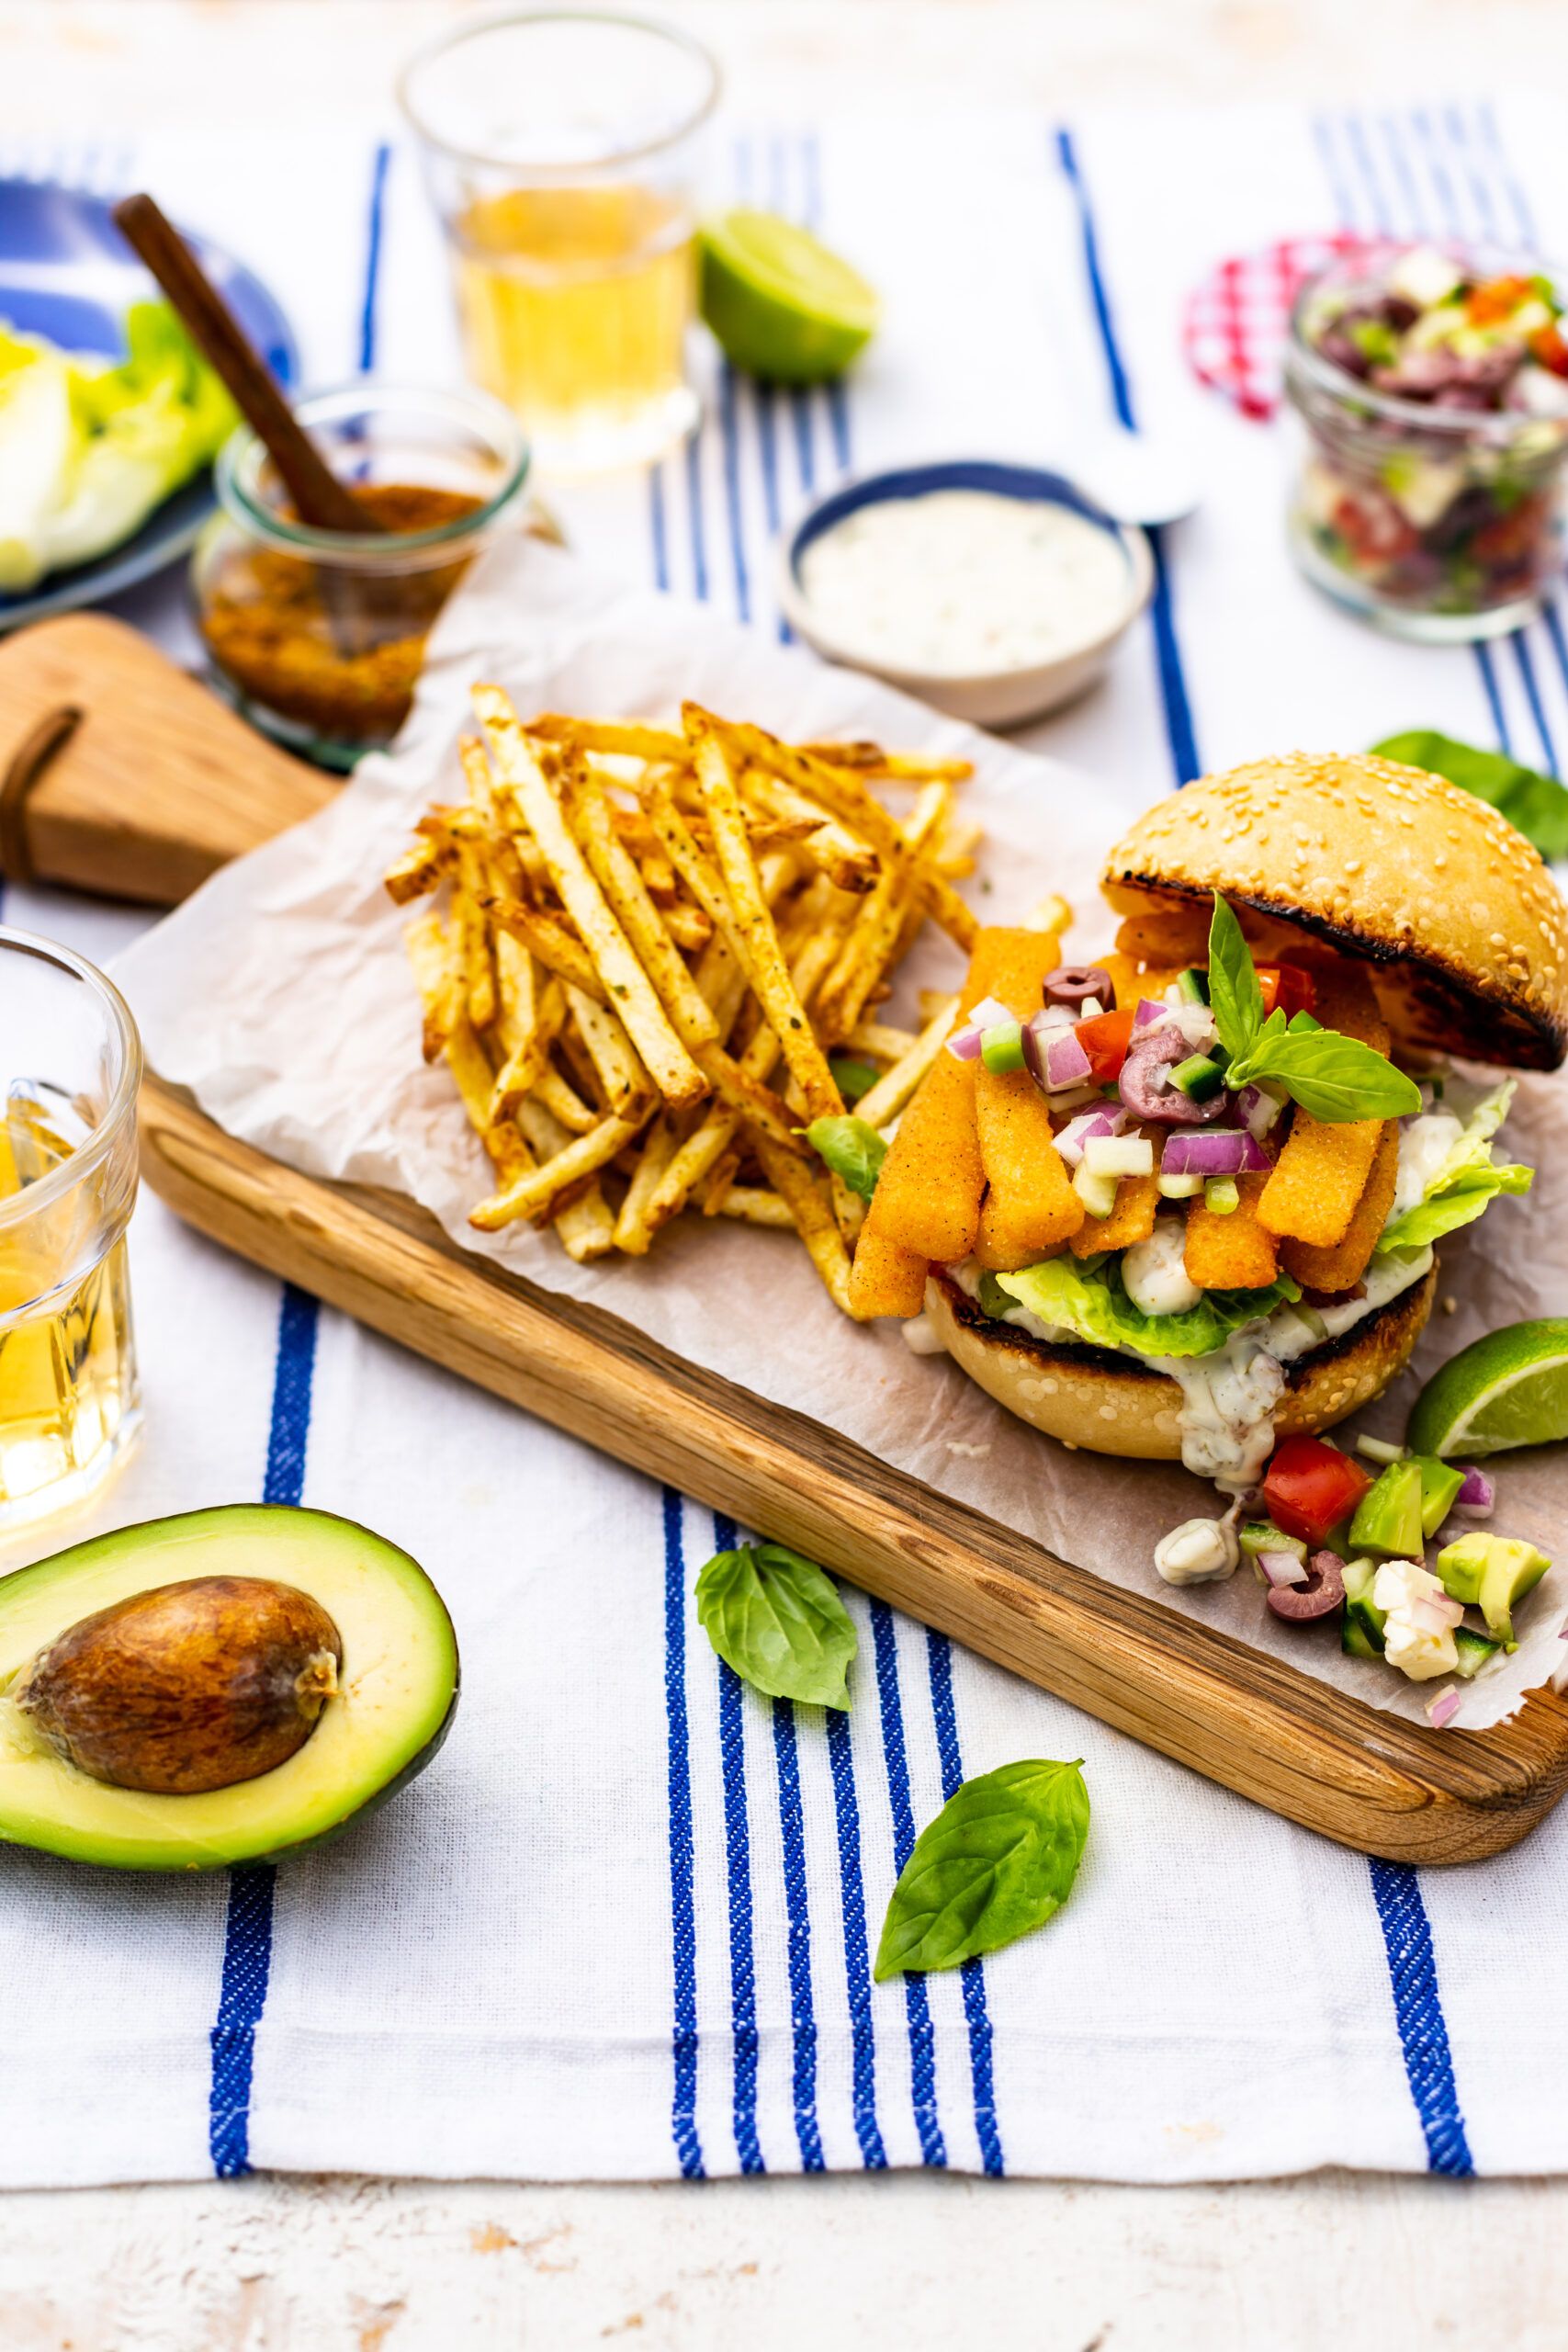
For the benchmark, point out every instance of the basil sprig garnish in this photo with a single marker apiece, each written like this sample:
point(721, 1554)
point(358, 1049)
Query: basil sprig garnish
point(778, 1620)
point(1000, 1858)
point(1333, 1077)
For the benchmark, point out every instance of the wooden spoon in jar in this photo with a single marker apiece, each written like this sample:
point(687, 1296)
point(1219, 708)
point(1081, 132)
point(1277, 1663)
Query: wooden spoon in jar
point(317, 495)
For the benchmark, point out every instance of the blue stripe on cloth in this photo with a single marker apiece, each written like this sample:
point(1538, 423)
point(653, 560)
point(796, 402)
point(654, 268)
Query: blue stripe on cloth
point(922, 2041)
point(1180, 734)
point(1491, 689)
point(729, 434)
point(247, 1937)
point(797, 1905)
point(857, 1953)
point(694, 505)
point(938, 1657)
point(1558, 642)
point(1418, 2010)
point(1396, 1889)
point(368, 324)
point(682, 1906)
point(1532, 695)
point(657, 529)
point(738, 1860)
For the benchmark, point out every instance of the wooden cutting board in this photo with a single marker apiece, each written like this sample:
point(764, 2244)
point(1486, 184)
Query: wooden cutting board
point(152, 784)
point(1368, 1778)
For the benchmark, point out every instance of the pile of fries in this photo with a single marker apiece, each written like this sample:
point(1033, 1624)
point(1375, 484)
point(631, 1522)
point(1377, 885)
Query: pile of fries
point(647, 950)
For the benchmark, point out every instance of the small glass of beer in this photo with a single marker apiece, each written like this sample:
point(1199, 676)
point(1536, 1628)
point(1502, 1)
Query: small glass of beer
point(70, 1066)
point(561, 152)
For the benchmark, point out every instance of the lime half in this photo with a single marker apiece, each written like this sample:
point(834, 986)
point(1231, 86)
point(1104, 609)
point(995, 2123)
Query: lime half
point(1510, 1388)
point(781, 305)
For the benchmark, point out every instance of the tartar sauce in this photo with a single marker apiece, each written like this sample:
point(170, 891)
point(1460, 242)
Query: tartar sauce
point(964, 583)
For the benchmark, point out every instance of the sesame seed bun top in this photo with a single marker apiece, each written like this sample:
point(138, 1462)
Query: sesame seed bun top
point(1465, 930)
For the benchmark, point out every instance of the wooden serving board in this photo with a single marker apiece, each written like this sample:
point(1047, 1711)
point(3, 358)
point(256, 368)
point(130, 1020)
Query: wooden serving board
point(1370, 1780)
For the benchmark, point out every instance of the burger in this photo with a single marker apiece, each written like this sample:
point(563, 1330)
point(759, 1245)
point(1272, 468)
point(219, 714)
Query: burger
point(1253, 1098)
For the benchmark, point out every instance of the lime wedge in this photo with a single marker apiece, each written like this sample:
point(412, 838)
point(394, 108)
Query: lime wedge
point(1510, 1388)
point(782, 305)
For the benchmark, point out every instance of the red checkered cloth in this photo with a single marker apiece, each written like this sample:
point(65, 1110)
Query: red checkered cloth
point(1235, 323)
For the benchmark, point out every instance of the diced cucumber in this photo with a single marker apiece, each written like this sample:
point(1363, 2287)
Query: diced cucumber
point(1261, 1535)
point(1098, 1193)
point(1180, 1188)
point(1119, 1156)
point(1354, 1638)
point(1193, 985)
point(1200, 1076)
point(1222, 1196)
point(1001, 1048)
point(1475, 1650)
point(1360, 1610)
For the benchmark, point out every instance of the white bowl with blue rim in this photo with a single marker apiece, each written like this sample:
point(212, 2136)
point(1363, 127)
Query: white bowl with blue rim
point(1003, 696)
point(67, 274)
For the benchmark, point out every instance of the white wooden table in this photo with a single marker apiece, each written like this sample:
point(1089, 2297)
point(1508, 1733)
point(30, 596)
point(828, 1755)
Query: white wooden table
point(915, 2260)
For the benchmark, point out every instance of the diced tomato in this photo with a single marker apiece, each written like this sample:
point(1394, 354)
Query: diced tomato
point(1310, 1487)
point(1287, 986)
point(1373, 528)
point(1104, 1039)
point(1511, 537)
point(1498, 298)
point(1551, 348)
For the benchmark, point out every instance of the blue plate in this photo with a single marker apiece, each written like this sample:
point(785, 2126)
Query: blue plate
point(67, 273)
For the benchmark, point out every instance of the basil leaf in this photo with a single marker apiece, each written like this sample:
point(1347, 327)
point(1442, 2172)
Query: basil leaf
point(852, 1077)
point(778, 1620)
point(1333, 1077)
point(1534, 803)
point(851, 1149)
point(1000, 1858)
point(1235, 997)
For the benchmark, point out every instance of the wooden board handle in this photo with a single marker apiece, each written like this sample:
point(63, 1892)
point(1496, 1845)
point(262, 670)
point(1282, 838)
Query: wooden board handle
point(120, 776)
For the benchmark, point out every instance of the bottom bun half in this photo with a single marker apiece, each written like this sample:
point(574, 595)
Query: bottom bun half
point(1109, 1403)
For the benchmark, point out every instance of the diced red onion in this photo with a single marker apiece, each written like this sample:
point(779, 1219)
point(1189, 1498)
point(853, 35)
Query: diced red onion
point(1478, 1495)
point(1283, 1567)
point(1150, 1013)
point(964, 1044)
point(1078, 1132)
point(1066, 1063)
point(1211, 1152)
point(1444, 1708)
point(1258, 1111)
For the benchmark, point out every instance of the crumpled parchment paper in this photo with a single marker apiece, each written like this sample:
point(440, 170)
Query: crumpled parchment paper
point(279, 995)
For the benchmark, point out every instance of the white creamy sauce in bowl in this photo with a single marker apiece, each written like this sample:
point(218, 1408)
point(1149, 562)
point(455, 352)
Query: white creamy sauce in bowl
point(963, 583)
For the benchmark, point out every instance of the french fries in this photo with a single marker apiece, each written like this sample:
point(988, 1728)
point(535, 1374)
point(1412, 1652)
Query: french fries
point(636, 946)
point(1339, 1265)
point(1233, 1252)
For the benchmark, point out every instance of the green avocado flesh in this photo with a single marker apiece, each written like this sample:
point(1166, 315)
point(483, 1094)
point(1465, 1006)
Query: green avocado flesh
point(396, 1691)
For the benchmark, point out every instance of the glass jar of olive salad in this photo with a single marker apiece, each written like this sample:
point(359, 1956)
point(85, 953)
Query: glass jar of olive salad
point(1428, 387)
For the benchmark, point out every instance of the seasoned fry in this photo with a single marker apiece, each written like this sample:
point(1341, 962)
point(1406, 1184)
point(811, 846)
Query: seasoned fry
point(754, 1204)
point(633, 1233)
point(535, 1195)
point(1340, 1265)
point(756, 937)
point(882, 1103)
point(666, 1061)
point(1319, 1178)
point(808, 1203)
point(638, 948)
point(1030, 1209)
point(1233, 1252)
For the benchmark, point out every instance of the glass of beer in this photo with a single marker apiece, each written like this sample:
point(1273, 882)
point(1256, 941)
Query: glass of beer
point(561, 152)
point(70, 1066)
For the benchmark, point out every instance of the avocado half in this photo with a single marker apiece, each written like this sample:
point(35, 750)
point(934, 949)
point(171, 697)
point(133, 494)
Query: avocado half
point(395, 1693)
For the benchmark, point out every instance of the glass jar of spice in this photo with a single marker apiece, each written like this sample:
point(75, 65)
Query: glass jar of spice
point(319, 636)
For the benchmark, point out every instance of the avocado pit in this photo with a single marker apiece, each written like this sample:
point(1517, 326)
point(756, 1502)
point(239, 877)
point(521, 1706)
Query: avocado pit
point(185, 1688)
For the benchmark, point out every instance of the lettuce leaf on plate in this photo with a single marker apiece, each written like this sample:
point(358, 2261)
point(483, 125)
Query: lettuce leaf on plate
point(1094, 1305)
point(88, 451)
